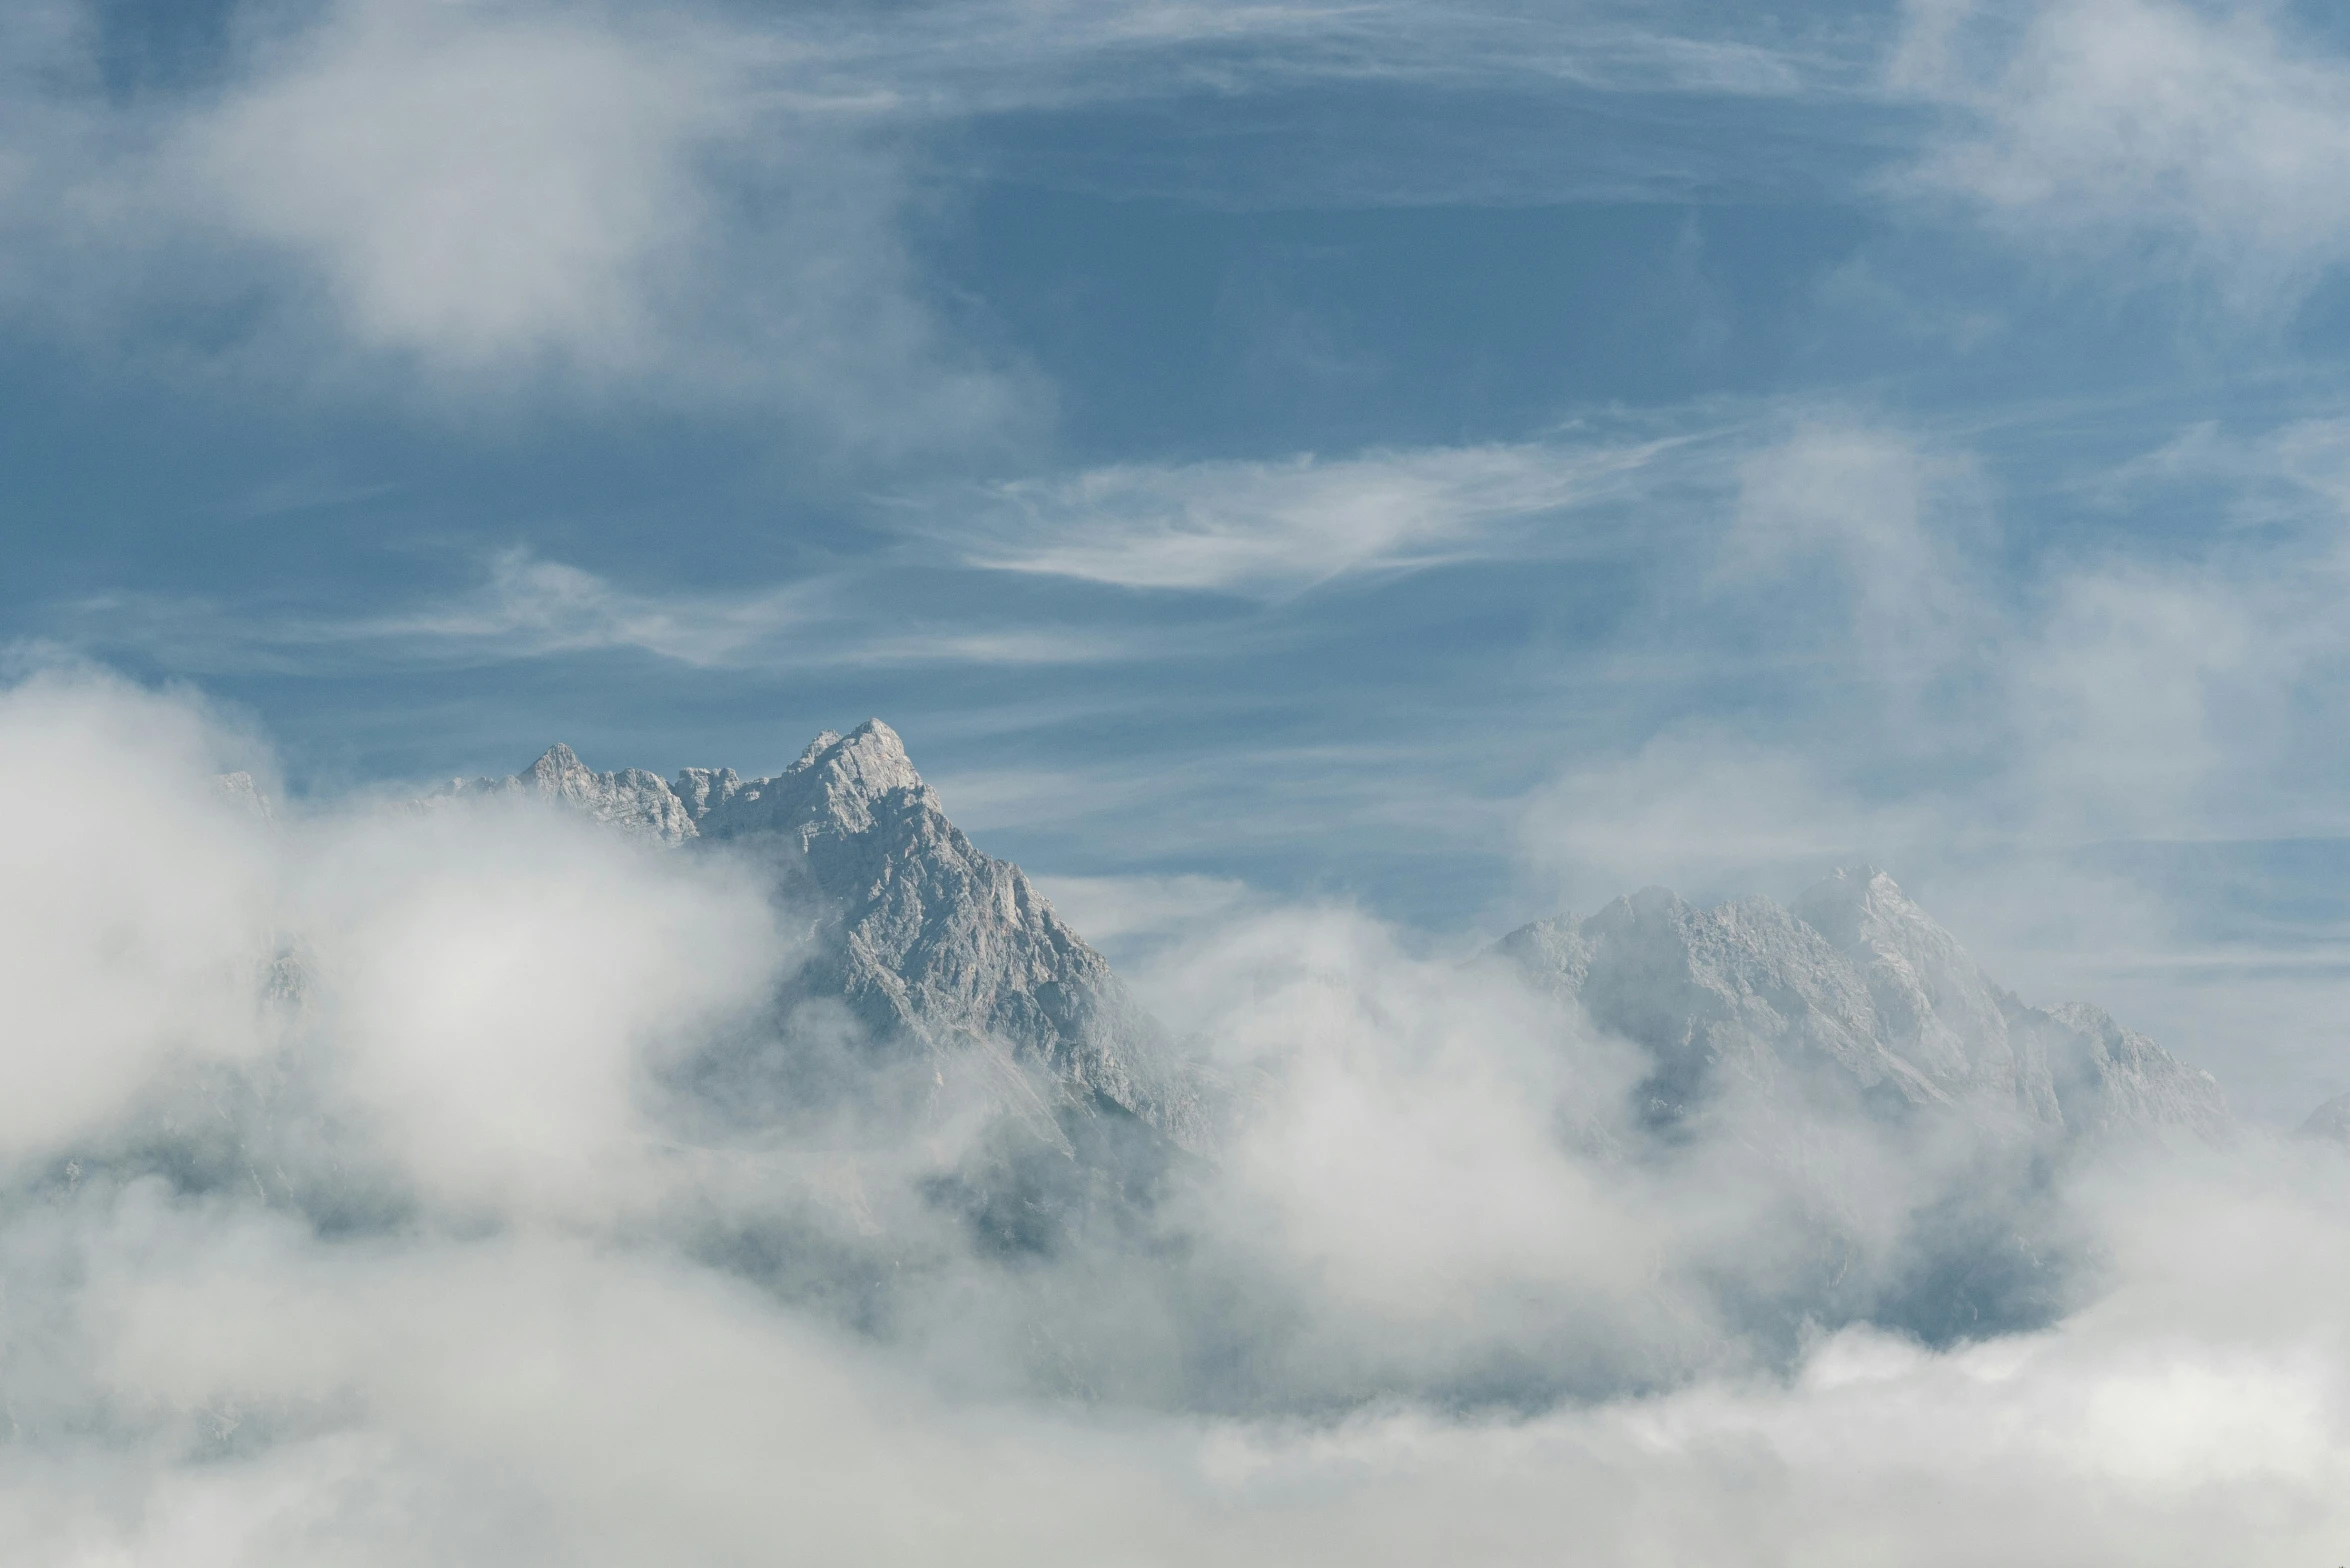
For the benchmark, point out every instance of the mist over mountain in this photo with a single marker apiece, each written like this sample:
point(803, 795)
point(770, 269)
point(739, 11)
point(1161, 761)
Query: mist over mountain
point(1850, 1021)
point(931, 941)
point(591, 1167)
point(1858, 985)
point(1620, 836)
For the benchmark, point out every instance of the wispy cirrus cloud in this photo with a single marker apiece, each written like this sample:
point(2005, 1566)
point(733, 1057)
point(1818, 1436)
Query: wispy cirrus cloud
point(530, 607)
point(1268, 530)
point(526, 608)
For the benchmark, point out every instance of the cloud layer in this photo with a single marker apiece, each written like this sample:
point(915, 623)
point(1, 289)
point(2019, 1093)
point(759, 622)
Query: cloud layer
point(351, 1216)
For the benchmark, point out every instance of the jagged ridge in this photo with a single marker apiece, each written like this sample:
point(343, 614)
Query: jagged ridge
point(923, 935)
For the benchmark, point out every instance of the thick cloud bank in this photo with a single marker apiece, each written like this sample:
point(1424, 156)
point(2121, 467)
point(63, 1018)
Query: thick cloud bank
point(386, 1185)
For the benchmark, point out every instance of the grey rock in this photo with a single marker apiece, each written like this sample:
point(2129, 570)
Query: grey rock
point(632, 800)
point(926, 939)
point(1552, 953)
point(931, 939)
point(701, 789)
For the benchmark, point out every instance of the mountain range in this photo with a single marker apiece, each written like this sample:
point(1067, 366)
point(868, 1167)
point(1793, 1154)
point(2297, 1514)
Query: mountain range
point(1852, 992)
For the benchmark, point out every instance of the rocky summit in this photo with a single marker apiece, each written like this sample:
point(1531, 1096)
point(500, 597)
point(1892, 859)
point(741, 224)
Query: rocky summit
point(926, 939)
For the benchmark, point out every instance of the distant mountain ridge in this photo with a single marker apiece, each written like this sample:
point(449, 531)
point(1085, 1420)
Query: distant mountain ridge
point(1855, 984)
point(932, 939)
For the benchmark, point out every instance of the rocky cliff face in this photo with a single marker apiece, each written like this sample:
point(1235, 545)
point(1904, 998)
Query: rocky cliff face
point(927, 940)
point(1854, 991)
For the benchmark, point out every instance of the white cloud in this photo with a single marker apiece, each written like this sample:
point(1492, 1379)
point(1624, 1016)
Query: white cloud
point(474, 186)
point(1274, 529)
point(499, 990)
point(489, 202)
point(1703, 809)
point(138, 917)
point(1870, 531)
point(2107, 692)
point(2212, 131)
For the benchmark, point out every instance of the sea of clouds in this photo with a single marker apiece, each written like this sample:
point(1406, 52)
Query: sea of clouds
point(389, 1185)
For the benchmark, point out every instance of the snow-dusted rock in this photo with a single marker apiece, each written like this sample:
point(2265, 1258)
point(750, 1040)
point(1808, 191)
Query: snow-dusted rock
point(1855, 986)
point(2109, 1078)
point(631, 799)
point(701, 789)
point(1934, 1007)
point(936, 940)
point(1743, 990)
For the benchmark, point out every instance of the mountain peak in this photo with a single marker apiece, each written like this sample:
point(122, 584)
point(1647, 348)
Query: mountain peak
point(926, 940)
point(931, 940)
point(867, 763)
point(877, 742)
point(556, 762)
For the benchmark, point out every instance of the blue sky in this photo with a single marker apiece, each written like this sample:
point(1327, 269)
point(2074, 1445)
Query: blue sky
point(1464, 459)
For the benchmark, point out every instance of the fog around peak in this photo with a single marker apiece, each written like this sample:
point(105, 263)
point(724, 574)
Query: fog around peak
point(362, 1204)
